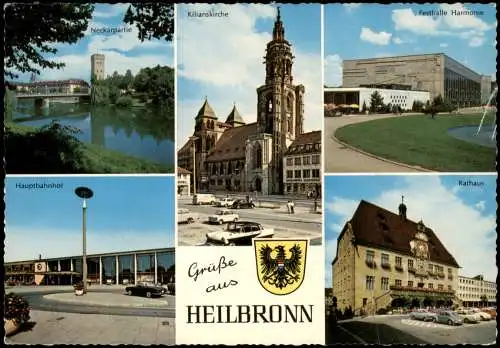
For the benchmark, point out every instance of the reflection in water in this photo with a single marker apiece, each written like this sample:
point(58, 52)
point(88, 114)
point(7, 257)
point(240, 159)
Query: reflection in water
point(140, 132)
point(469, 134)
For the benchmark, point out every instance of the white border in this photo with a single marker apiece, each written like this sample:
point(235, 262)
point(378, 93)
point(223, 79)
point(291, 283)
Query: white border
point(176, 93)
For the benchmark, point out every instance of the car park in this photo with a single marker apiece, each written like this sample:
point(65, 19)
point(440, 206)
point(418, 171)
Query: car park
point(484, 315)
point(423, 315)
point(448, 317)
point(491, 311)
point(186, 216)
point(239, 233)
point(224, 202)
point(147, 290)
point(468, 316)
point(204, 198)
point(223, 216)
point(243, 204)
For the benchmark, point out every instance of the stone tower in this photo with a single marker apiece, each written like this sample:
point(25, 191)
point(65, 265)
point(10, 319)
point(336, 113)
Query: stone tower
point(234, 118)
point(205, 131)
point(97, 66)
point(280, 105)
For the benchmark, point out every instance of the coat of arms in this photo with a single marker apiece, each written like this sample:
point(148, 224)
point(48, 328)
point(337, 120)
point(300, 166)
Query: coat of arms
point(280, 264)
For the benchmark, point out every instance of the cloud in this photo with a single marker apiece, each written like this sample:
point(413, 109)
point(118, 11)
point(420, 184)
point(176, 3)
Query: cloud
point(62, 243)
point(227, 66)
point(444, 45)
point(333, 70)
point(369, 35)
point(476, 41)
point(462, 22)
point(111, 11)
point(397, 41)
point(351, 7)
point(465, 229)
point(406, 19)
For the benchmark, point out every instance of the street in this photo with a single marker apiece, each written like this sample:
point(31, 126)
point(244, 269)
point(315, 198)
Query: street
point(105, 315)
point(399, 329)
point(303, 224)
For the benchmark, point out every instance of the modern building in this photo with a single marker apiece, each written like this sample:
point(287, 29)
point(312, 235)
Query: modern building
point(361, 96)
point(436, 73)
point(130, 267)
point(97, 67)
point(238, 156)
point(475, 291)
point(485, 89)
point(183, 182)
point(384, 259)
point(302, 165)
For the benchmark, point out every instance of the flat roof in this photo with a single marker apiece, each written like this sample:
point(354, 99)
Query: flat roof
point(400, 56)
point(114, 253)
point(357, 89)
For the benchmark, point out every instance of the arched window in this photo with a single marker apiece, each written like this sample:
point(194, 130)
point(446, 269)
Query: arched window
point(257, 156)
point(269, 104)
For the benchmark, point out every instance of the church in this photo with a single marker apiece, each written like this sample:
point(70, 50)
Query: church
point(233, 155)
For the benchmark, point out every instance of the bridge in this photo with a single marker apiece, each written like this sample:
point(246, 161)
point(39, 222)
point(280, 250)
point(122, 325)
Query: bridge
point(44, 95)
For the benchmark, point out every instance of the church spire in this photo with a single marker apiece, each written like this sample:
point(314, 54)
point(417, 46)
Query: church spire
point(279, 30)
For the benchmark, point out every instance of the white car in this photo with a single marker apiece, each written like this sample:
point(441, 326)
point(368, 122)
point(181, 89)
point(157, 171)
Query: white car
point(469, 316)
point(223, 216)
point(484, 316)
point(239, 233)
point(224, 202)
point(186, 216)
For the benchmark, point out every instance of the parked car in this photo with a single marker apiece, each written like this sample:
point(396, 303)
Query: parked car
point(243, 204)
point(485, 316)
point(148, 290)
point(223, 216)
point(492, 312)
point(186, 216)
point(171, 289)
point(423, 315)
point(239, 233)
point(204, 198)
point(224, 202)
point(449, 317)
point(469, 316)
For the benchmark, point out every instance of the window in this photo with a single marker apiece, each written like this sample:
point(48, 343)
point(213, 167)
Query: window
point(385, 259)
point(449, 287)
point(306, 160)
point(384, 283)
point(289, 161)
point(449, 270)
point(315, 173)
point(315, 159)
point(430, 286)
point(365, 300)
point(410, 283)
point(297, 173)
point(398, 261)
point(289, 174)
point(370, 255)
point(306, 173)
point(370, 282)
point(398, 282)
point(298, 161)
point(440, 286)
point(410, 264)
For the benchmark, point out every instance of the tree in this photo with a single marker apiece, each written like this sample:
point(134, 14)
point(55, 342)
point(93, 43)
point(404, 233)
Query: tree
point(364, 108)
point(9, 101)
point(376, 101)
point(31, 30)
point(152, 20)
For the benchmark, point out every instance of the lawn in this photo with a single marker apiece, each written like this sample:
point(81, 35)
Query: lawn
point(421, 141)
point(31, 151)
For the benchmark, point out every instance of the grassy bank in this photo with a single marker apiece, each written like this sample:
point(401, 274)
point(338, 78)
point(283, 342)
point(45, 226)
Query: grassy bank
point(54, 150)
point(421, 141)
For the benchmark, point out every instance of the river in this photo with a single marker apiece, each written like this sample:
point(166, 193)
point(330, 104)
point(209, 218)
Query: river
point(138, 131)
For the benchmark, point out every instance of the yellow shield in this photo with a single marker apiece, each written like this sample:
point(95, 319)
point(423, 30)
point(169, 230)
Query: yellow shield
point(281, 264)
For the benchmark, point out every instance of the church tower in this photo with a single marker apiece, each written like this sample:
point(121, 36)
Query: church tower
point(280, 105)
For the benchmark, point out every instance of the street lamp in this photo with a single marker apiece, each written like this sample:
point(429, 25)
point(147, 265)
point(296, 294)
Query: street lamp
point(193, 141)
point(84, 193)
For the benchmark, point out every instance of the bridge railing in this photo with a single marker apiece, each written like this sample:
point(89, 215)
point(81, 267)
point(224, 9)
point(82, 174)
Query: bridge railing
point(41, 94)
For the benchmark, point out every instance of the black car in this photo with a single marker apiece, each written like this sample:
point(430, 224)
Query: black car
point(145, 290)
point(243, 204)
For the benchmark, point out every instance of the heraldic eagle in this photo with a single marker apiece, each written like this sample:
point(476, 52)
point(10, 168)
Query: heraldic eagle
point(280, 271)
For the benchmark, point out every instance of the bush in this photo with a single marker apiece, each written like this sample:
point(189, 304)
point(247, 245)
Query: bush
point(16, 308)
point(381, 311)
point(124, 101)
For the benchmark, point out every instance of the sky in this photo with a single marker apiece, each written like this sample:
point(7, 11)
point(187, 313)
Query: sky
point(222, 59)
point(125, 213)
point(122, 50)
point(355, 31)
point(463, 218)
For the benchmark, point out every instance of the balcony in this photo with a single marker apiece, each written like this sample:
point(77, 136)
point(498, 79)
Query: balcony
point(371, 263)
point(441, 275)
point(385, 265)
point(412, 269)
point(412, 289)
point(399, 268)
point(432, 274)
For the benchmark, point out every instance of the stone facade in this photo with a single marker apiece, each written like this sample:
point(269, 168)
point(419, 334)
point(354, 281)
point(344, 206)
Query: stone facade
point(97, 67)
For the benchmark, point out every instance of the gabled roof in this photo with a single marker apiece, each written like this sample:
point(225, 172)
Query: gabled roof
point(206, 110)
point(305, 139)
point(232, 143)
point(377, 227)
point(234, 117)
point(181, 170)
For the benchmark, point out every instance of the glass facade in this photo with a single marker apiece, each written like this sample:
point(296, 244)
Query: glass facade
point(93, 269)
point(109, 270)
point(460, 90)
point(166, 267)
point(145, 268)
point(126, 269)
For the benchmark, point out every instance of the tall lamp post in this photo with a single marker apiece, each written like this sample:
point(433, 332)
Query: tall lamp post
point(193, 140)
point(84, 193)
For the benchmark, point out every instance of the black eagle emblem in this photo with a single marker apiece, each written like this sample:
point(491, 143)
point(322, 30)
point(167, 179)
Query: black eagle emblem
point(280, 271)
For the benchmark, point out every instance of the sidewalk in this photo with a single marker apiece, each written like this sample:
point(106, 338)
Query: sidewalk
point(111, 300)
point(98, 329)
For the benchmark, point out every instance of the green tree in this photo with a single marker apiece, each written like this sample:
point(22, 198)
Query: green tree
point(31, 30)
point(152, 20)
point(9, 102)
point(127, 80)
point(376, 102)
point(364, 108)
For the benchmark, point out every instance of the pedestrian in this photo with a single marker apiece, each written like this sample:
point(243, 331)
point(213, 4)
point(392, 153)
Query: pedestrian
point(292, 207)
point(289, 207)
